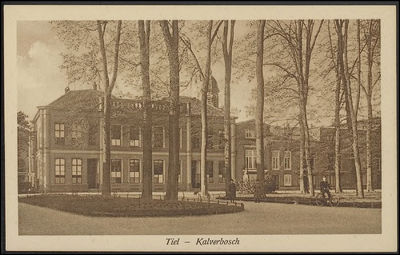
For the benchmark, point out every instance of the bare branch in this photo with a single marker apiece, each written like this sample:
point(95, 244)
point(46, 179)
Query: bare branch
point(115, 69)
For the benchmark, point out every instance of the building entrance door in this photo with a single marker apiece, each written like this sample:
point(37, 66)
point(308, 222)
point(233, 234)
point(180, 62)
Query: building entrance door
point(92, 173)
point(196, 179)
point(275, 178)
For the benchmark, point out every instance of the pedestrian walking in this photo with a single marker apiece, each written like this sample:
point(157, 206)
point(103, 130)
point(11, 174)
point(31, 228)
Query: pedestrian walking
point(258, 192)
point(232, 191)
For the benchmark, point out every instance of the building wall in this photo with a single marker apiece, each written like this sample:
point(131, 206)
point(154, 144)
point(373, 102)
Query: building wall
point(321, 155)
point(75, 145)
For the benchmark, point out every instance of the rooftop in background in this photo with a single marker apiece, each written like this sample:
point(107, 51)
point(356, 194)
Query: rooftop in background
point(88, 99)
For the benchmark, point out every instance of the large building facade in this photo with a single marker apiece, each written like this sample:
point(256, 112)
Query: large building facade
point(68, 145)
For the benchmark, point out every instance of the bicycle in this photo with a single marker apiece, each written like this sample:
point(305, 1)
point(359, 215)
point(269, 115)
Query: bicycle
point(321, 200)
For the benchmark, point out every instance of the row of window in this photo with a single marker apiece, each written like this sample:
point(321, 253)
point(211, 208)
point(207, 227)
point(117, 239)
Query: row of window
point(250, 160)
point(134, 171)
point(135, 136)
point(60, 170)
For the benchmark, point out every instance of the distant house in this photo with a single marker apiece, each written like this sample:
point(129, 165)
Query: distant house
point(282, 158)
point(69, 151)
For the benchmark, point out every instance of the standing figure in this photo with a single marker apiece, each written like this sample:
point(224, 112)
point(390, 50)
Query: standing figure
point(232, 191)
point(324, 186)
point(258, 192)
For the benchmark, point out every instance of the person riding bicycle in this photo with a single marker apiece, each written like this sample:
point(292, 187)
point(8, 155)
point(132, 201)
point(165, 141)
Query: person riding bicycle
point(324, 186)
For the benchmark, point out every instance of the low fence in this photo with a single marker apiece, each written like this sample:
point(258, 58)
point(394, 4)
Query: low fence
point(311, 201)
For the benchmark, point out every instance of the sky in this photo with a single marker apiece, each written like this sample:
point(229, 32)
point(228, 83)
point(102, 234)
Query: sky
point(40, 80)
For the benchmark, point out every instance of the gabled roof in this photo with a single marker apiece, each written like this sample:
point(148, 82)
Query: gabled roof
point(78, 100)
point(89, 100)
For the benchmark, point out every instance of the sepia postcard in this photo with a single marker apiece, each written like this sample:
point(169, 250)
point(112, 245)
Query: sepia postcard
point(201, 128)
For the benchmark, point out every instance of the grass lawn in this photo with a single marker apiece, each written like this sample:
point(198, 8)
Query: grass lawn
point(96, 205)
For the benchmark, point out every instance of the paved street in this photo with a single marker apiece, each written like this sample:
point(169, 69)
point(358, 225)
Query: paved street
point(272, 218)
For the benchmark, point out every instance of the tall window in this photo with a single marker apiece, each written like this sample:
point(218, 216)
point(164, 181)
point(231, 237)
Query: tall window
point(287, 180)
point(287, 160)
point(210, 171)
point(210, 142)
point(275, 160)
point(116, 135)
point(158, 166)
point(221, 170)
point(134, 136)
point(250, 159)
point(331, 161)
point(134, 170)
point(158, 137)
point(248, 133)
point(93, 134)
point(59, 133)
point(116, 169)
point(76, 170)
point(221, 139)
point(60, 170)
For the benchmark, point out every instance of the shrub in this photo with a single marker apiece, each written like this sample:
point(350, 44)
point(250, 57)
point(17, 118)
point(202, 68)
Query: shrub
point(248, 186)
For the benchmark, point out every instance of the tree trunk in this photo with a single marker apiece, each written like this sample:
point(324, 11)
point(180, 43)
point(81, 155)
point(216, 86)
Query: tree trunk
point(343, 61)
point(108, 85)
point(106, 187)
point(204, 126)
point(227, 52)
point(172, 42)
point(301, 152)
point(259, 121)
point(144, 36)
point(369, 107)
point(307, 149)
point(369, 147)
point(338, 187)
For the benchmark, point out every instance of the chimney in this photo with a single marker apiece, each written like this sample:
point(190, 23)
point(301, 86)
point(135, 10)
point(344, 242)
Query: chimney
point(66, 90)
point(94, 86)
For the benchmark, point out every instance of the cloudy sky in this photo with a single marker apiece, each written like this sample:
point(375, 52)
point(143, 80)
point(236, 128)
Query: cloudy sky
point(40, 80)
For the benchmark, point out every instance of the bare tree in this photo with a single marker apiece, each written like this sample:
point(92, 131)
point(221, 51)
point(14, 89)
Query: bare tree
point(372, 40)
point(108, 87)
point(334, 59)
point(227, 53)
point(259, 121)
point(144, 44)
point(204, 90)
point(172, 42)
point(205, 74)
point(342, 29)
point(298, 39)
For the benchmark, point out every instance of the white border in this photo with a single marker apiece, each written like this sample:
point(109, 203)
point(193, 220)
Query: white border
point(387, 241)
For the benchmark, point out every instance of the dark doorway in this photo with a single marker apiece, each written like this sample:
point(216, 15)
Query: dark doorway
point(92, 173)
point(195, 175)
point(275, 178)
